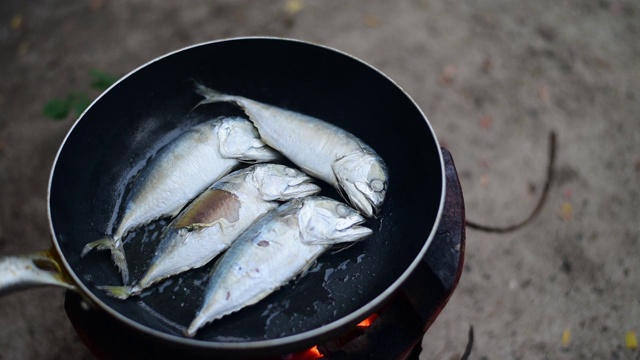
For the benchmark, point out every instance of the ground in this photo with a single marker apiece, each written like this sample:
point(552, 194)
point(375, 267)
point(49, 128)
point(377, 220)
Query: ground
point(493, 77)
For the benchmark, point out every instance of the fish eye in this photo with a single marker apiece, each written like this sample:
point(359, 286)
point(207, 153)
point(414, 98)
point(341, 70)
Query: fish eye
point(377, 185)
point(342, 210)
point(289, 172)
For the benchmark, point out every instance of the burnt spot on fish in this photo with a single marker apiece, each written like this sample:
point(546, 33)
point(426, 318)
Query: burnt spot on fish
point(211, 207)
point(262, 243)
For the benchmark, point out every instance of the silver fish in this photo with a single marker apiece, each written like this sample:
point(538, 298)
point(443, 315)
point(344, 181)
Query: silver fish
point(179, 172)
point(320, 149)
point(274, 250)
point(217, 217)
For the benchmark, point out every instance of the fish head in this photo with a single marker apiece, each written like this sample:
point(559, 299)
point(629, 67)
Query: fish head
point(362, 177)
point(325, 221)
point(239, 139)
point(279, 182)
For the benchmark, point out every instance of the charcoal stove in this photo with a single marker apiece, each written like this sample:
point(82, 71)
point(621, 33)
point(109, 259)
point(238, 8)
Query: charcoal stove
point(393, 332)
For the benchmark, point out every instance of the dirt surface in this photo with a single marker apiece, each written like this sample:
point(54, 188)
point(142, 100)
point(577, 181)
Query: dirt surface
point(493, 77)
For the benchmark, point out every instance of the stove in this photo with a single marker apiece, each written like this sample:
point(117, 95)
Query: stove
point(393, 332)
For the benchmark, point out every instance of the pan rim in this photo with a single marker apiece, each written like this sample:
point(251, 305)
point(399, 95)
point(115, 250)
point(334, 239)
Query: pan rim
point(353, 317)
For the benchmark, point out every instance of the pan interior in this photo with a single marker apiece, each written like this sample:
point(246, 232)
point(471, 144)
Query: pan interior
point(152, 105)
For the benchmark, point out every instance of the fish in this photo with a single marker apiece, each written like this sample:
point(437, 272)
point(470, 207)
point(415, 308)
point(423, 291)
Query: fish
point(319, 148)
point(180, 171)
point(216, 218)
point(278, 247)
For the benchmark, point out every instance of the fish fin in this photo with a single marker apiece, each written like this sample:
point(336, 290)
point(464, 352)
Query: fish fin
point(118, 292)
point(103, 244)
point(341, 247)
point(117, 253)
point(215, 262)
point(260, 151)
point(206, 92)
point(319, 225)
point(240, 140)
point(353, 234)
point(306, 268)
point(185, 235)
point(209, 95)
point(337, 185)
point(196, 324)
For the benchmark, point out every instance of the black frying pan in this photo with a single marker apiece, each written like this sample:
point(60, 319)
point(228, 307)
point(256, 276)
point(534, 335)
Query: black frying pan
point(128, 123)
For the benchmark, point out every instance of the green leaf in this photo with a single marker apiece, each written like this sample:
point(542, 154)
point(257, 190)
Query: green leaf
point(80, 102)
point(57, 109)
point(102, 80)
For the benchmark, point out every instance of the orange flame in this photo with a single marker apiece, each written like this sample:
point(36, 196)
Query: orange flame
point(314, 353)
point(309, 354)
point(368, 321)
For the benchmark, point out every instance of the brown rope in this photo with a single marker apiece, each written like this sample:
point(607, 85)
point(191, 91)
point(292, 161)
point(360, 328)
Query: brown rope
point(541, 201)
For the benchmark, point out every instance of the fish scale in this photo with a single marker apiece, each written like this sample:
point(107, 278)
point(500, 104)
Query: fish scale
point(179, 172)
point(275, 249)
point(320, 148)
point(214, 220)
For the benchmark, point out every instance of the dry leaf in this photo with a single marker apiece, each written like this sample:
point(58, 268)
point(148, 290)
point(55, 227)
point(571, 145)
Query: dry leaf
point(543, 93)
point(447, 75)
point(485, 122)
point(566, 337)
point(484, 180)
point(371, 21)
point(568, 194)
point(567, 211)
point(16, 22)
point(631, 340)
point(292, 7)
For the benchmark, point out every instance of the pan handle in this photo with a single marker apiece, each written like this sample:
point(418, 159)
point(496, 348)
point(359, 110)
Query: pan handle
point(27, 271)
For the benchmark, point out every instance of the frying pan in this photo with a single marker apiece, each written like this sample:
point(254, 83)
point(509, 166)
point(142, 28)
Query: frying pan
point(129, 122)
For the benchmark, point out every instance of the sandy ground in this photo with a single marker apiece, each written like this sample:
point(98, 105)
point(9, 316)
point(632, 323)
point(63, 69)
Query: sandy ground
point(493, 77)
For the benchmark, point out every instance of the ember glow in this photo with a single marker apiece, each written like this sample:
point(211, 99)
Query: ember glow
point(368, 321)
point(309, 354)
point(314, 353)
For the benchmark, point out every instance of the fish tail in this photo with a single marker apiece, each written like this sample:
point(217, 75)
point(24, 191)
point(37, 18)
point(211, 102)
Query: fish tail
point(207, 92)
point(209, 95)
point(117, 253)
point(196, 324)
point(118, 292)
point(105, 243)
